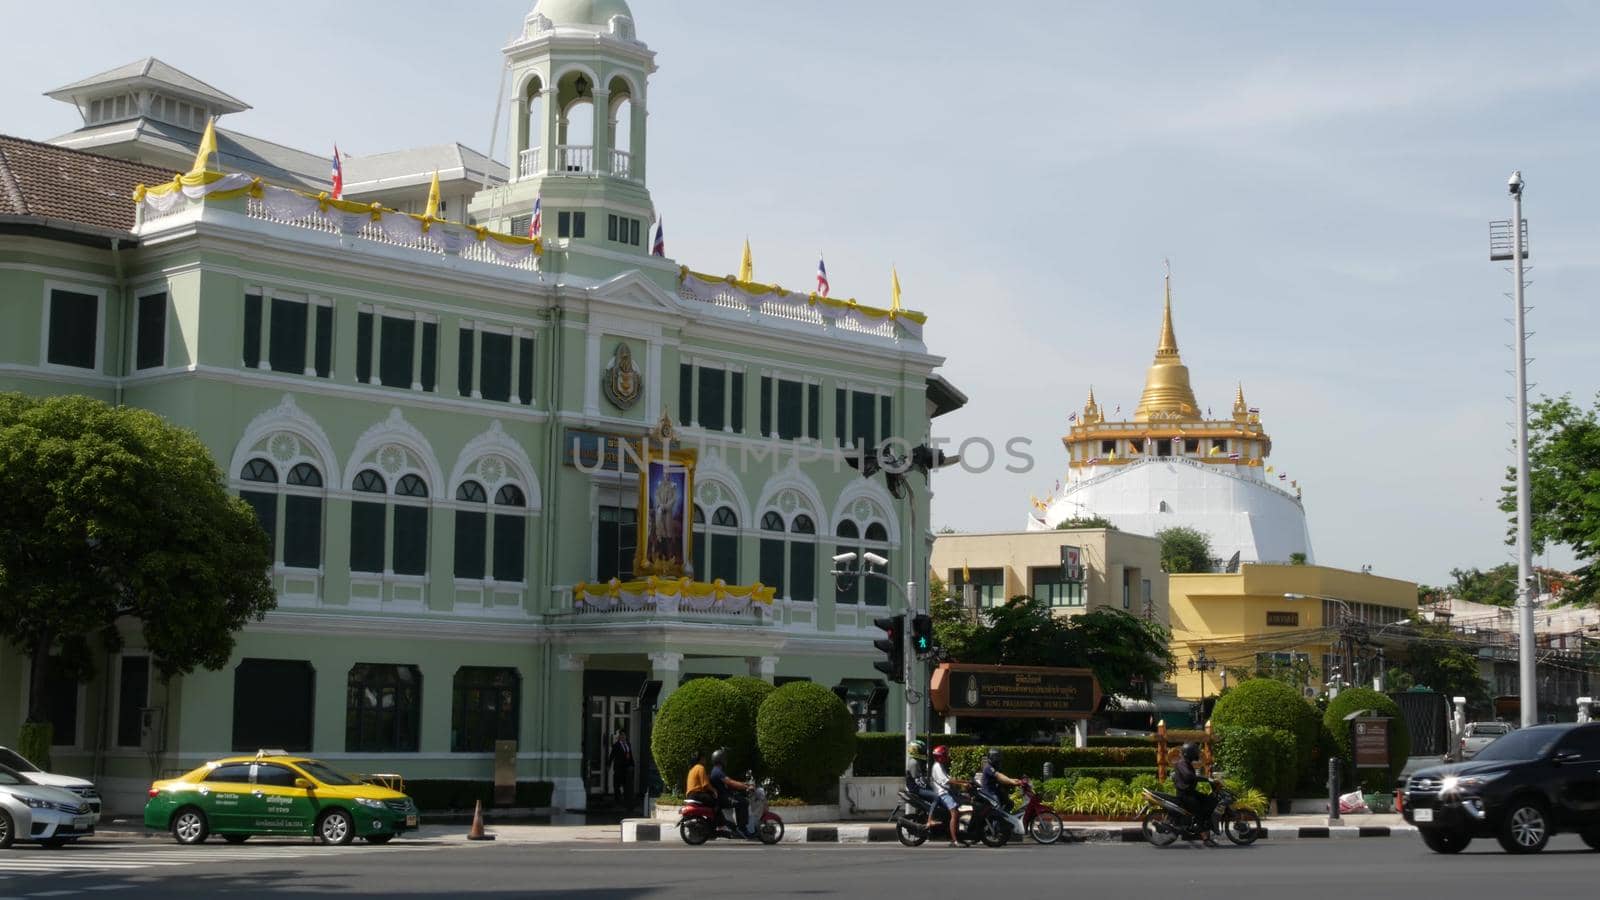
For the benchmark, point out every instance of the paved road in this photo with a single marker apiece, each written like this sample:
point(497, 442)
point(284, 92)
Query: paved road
point(1368, 869)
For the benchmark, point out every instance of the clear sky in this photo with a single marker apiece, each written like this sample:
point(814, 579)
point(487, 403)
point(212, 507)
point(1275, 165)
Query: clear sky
point(1321, 177)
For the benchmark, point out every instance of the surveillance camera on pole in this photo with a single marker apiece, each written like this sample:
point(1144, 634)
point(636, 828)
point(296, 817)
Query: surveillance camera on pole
point(873, 559)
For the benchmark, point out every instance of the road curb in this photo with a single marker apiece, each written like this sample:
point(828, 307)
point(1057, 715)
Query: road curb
point(646, 831)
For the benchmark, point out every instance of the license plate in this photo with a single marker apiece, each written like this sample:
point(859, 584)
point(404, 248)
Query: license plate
point(81, 822)
point(411, 821)
point(1422, 815)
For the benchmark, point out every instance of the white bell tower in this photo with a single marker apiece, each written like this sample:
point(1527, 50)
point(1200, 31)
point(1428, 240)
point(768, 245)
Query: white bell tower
point(578, 79)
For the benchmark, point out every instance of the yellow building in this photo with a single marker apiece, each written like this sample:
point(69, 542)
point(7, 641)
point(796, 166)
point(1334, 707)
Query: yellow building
point(1114, 569)
point(1275, 616)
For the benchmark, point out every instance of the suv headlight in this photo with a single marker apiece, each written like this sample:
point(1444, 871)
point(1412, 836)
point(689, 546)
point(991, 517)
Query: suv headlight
point(370, 804)
point(1466, 782)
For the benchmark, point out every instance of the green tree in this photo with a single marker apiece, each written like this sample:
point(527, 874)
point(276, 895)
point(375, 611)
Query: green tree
point(1564, 474)
point(1496, 587)
point(1184, 549)
point(1086, 522)
point(1437, 661)
point(110, 512)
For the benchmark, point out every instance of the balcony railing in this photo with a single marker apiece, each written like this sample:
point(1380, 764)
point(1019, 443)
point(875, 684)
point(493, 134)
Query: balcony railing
point(572, 159)
point(622, 164)
point(528, 164)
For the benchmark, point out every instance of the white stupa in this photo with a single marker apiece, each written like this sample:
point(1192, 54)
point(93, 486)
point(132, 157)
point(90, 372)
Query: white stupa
point(1171, 466)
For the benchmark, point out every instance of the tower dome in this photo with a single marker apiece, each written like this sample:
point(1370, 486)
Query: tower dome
point(582, 13)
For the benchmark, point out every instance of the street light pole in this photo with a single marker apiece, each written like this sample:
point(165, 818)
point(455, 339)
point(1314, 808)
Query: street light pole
point(1525, 654)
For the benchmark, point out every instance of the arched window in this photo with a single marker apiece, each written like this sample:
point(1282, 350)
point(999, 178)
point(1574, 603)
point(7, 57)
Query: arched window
point(1164, 507)
point(484, 708)
point(383, 709)
point(510, 533)
point(771, 571)
point(403, 517)
point(298, 505)
point(472, 531)
point(716, 545)
point(875, 538)
point(803, 559)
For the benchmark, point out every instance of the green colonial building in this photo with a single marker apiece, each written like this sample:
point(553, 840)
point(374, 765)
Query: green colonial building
point(438, 425)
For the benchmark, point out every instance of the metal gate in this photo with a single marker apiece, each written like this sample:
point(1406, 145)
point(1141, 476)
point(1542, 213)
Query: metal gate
point(1427, 716)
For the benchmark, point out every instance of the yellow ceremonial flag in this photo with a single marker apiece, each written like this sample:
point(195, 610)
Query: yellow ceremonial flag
point(1269, 470)
point(208, 146)
point(966, 574)
point(1215, 450)
point(1111, 454)
point(747, 269)
point(894, 284)
point(432, 209)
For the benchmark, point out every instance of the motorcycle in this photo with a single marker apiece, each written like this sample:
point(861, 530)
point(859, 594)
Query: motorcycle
point(1034, 818)
point(1165, 820)
point(699, 822)
point(982, 822)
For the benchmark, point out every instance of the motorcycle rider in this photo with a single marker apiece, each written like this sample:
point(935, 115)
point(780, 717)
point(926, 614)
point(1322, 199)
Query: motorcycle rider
point(940, 779)
point(991, 779)
point(698, 785)
point(1186, 779)
point(917, 772)
point(726, 788)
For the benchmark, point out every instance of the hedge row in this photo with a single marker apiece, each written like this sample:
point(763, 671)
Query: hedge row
point(1030, 761)
point(880, 753)
point(441, 795)
point(1260, 757)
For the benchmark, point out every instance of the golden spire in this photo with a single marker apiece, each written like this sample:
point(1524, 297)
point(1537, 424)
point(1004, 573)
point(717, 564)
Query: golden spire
point(1167, 394)
point(1091, 409)
point(1241, 412)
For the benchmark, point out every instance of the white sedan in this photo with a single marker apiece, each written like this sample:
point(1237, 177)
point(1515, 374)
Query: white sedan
point(34, 813)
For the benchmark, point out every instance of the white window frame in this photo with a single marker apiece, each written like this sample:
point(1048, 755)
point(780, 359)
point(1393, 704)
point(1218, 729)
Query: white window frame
point(166, 335)
point(51, 287)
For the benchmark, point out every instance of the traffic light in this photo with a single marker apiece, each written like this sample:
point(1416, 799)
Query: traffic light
point(922, 634)
point(894, 662)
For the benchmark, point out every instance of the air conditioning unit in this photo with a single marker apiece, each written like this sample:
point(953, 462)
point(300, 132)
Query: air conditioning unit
point(152, 729)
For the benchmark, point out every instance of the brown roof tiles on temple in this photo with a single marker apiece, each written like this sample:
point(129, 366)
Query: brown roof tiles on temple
point(56, 185)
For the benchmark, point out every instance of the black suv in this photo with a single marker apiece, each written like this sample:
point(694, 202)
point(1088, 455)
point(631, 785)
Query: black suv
point(1520, 789)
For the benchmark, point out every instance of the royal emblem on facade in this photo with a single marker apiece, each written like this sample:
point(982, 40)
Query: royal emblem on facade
point(622, 382)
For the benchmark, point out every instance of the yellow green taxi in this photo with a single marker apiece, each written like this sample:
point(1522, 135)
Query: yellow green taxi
point(276, 794)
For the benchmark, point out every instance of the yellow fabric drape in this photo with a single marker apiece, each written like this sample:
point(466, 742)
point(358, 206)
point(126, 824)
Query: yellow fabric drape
point(677, 587)
point(747, 269)
point(208, 146)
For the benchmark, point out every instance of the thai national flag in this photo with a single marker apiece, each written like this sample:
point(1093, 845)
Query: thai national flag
point(659, 246)
point(1072, 418)
point(338, 174)
point(536, 224)
point(1233, 456)
point(822, 277)
point(1255, 410)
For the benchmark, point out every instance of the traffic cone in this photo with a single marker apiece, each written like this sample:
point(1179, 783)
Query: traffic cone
point(475, 833)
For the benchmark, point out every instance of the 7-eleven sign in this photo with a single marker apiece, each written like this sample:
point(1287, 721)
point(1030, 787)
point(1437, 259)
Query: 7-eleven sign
point(1072, 563)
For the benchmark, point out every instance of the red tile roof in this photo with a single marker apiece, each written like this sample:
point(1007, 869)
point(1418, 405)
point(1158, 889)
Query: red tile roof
point(49, 182)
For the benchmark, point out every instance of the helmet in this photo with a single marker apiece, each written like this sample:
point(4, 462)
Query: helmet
point(941, 753)
point(1191, 751)
point(695, 756)
point(719, 757)
point(994, 756)
point(917, 749)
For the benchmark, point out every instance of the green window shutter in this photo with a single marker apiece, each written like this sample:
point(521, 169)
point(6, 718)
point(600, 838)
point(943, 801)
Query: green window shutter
point(324, 342)
point(152, 349)
point(410, 540)
point(685, 394)
point(366, 536)
point(711, 399)
point(464, 366)
point(363, 347)
point(133, 692)
point(266, 507)
point(864, 418)
point(287, 348)
point(886, 407)
point(74, 322)
point(736, 401)
point(766, 406)
point(495, 380)
point(471, 537)
point(430, 356)
point(841, 409)
point(525, 371)
point(725, 558)
point(802, 571)
point(510, 532)
point(251, 353)
point(395, 345)
point(700, 549)
point(302, 532)
point(814, 411)
point(771, 573)
point(790, 413)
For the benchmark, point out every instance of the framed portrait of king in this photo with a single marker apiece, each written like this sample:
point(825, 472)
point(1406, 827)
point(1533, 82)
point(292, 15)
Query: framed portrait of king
point(666, 509)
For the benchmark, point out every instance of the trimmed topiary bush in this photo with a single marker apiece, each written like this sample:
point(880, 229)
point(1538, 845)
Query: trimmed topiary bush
point(747, 696)
point(807, 736)
point(701, 715)
point(1352, 700)
point(33, 742)
point(1259, 757)
point(1265, 703)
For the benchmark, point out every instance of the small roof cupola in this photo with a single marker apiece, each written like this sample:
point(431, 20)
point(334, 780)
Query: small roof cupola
point(1167, 394)
point(577, 76)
